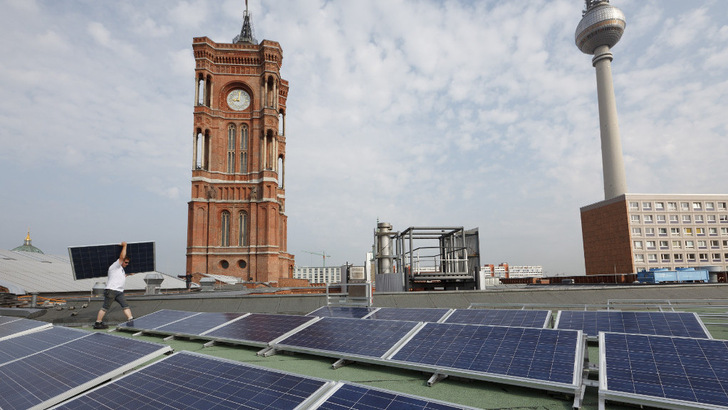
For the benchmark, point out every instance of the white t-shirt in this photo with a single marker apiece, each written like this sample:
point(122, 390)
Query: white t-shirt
point(117, 277)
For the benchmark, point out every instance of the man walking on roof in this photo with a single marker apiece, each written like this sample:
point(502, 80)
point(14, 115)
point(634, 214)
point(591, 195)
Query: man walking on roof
point(115, 289)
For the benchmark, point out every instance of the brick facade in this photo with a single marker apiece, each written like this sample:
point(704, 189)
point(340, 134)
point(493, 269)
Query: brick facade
point(236, 216)
point(606, 238)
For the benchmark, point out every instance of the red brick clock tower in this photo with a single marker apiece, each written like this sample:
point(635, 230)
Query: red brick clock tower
point(236, 218)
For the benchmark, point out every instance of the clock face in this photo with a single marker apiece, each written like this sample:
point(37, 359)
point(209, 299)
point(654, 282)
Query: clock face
point(238, 100)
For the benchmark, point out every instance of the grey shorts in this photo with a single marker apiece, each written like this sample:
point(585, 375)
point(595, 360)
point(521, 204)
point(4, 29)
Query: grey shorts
point(113, 295)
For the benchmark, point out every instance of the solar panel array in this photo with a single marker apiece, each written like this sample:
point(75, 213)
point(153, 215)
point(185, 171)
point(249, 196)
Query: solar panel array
point(94, 261)
point(15, 326)
point(501, 317)
point(523, 352)
point(190, 380)
point(649, 323)
point(663, 371)
point(43, 368)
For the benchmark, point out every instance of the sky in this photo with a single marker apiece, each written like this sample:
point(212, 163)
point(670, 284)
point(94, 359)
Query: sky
point(480, 114)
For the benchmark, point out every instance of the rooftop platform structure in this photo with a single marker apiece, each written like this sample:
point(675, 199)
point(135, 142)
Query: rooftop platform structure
point(426, 258)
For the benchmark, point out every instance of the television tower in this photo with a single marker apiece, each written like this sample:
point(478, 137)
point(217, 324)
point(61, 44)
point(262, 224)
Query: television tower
point(599, 30)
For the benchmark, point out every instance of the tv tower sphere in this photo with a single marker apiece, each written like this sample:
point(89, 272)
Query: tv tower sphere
point(601, 25)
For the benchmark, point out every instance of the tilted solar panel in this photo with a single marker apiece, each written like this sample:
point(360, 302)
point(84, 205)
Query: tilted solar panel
point(198, 324)
point(20, 326)
point(649, 323)
point(413, 314)
point(546, 356)
point(663, 371)
point(501, 317)
point(257, 329)
point(344, 336)
point(342, 311)
point(189, 380)
point(25, 345)
point(94, 261)
point(156, 319)
point(49, 376)
point(355, 396)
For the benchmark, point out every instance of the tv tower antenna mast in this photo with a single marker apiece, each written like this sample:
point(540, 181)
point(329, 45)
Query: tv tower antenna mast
point(599, 30)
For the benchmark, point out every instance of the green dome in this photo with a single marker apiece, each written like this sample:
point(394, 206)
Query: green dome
point(27, 246)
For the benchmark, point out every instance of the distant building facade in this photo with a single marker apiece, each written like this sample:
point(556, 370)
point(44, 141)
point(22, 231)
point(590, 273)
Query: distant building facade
point(318, 274)
point(632, 232)
point(237, 224)
point(504, 270)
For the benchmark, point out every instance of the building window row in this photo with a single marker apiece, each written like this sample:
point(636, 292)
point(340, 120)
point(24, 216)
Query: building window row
point(684, 231)
point(673, 218)
point(680, 244)
point(684, 206)
point(680, 257)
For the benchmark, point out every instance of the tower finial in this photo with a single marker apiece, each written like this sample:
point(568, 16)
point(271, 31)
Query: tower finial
point(246, 33)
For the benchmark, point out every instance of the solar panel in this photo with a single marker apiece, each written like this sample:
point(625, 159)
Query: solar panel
point(342, 311)
point(257, 329)
point(362, 338)
point(663, 371)
point(25, 345)
point(156, 319)
point(413, 314)
point(355, 396)
point(94, 261)
point(20, 326)
point(501, 317)
point(198, 324)
point(651, 323)
point(537, 356)
point(49, 376)
point(189, 380)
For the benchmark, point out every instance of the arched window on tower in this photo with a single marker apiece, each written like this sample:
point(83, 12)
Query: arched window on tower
point(244, 148)
point(201, 149)
point(271, 89)
point(208, 91)
point(232, 134)
point(225, 229)
point(281, 123)
point(243, 229)
point(271, 149)
point(281, 172)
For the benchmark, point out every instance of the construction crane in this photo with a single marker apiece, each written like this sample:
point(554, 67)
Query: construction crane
point(323, 255)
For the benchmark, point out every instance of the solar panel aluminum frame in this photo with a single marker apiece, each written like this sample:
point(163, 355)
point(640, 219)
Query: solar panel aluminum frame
point(576, 388)
point(100, 379)
point(634, 398)
point(8, 324)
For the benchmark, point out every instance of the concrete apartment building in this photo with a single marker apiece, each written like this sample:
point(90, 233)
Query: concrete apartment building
point(318, 274)
point(632, 232)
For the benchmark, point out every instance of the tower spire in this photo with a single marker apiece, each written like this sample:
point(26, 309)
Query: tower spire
point(246, 33)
